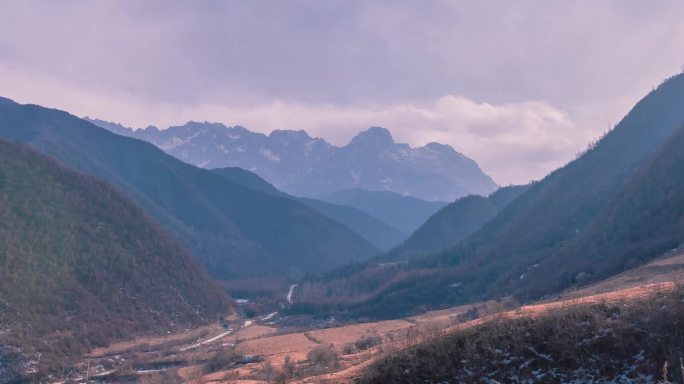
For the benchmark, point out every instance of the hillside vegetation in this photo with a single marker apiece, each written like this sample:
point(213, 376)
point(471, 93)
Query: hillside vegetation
point(232, 230)
point(635, 342)
point(557, 214)
point(616, 206)
point(453, 223)
point(81, 266)
point(645, 220)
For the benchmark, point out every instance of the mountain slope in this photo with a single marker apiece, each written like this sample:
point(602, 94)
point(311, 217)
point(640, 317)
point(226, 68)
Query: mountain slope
point(82, 266)
point(378, 233)
point(373, 161)
point(644, 221)
point(625, 341)
point(405, 213)
point(454, 222)
point(543, 230)
point(304, 166)
point(248, 179)
point(529, 233)
point(232, 230)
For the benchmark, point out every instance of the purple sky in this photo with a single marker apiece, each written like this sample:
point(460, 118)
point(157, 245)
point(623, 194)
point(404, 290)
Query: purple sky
point(520, 86)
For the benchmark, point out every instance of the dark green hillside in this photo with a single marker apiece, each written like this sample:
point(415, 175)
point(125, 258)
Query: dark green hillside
point(544, 221)
point(378, 233)
point(248, 179)
point(558, 228)
point(453, 223)
point(81, 266)
point(557, 210)
point(644, 221)
point(234, 231)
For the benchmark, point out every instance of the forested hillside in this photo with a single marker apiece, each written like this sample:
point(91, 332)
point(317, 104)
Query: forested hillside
point(581, 223)
point(644, 221)
point(557, 211)
point(234, 231)
point(453, 223)
point(81, 266)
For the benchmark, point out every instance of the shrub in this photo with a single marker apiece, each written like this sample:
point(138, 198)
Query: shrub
point(221, 360)
point(323, 355)
point(349, 349)
point(626, 342)
point(367, 342)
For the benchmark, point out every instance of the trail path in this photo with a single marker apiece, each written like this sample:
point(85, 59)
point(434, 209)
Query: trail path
point(208, 341)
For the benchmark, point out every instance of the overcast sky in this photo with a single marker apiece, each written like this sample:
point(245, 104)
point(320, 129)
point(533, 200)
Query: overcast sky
point(519, 86)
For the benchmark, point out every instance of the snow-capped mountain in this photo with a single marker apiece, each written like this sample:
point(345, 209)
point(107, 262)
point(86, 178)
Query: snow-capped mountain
point(301, 165)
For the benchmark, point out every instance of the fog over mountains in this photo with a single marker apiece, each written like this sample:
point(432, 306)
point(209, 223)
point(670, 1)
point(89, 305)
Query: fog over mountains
point(301, 165)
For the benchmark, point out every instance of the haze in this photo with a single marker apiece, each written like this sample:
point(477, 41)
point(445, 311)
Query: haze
point(519, 87)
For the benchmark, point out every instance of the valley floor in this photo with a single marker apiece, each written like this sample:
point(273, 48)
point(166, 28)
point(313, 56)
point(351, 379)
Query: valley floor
point(263, 350)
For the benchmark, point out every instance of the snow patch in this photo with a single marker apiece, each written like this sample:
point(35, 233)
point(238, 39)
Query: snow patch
point(270, 156)
point(177, 141)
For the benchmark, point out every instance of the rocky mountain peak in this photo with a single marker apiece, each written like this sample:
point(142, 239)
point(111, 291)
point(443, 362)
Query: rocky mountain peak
point(304, 166)
point(290, 136)
point(374, 136)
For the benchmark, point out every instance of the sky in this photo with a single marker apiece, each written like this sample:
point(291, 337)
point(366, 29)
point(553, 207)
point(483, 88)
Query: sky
point(519, 86)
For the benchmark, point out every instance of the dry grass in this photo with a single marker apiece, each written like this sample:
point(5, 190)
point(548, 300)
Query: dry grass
point(289, 357)
point(622, 336)
point(152, 342)
point(669, 268)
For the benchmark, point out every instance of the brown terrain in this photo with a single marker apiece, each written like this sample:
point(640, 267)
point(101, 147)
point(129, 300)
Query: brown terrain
point(266, 349)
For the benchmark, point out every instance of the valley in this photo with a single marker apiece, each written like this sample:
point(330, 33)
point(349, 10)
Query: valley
point(261, 348)
point(342, 192)
point(293, 289)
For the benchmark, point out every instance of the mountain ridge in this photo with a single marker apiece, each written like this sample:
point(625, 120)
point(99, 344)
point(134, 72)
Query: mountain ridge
point(453, 223)
point(553, 212)
point(405, 213)
point(305, 166)
point(374, 230)
point(534, 246)
point(234, 231)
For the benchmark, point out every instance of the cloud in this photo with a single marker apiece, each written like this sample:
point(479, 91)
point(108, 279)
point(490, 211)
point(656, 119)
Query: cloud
point(519, 86)
point(513, 142)
point(348, 51)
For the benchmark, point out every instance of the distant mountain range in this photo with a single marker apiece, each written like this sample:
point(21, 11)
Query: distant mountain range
point(232, 230)
point(82, 266)
point(615, 207)
point(304, 166)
